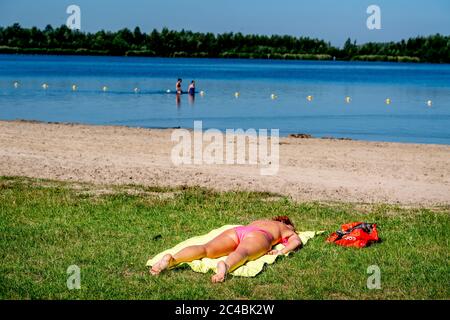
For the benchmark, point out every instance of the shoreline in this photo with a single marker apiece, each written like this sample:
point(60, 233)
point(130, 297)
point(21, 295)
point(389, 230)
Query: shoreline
point(314, 169)
point(301, 136)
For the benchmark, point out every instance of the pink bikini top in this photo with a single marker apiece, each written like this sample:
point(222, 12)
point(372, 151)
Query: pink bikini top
point(284, 241)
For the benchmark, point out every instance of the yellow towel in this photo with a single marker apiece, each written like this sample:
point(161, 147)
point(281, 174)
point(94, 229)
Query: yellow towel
point(250, 269)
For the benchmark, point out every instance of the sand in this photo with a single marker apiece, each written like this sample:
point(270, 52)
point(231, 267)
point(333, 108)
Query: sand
point(310, 169)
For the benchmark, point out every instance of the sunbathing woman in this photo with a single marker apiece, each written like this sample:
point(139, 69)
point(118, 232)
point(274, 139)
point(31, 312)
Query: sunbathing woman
point(240, 244)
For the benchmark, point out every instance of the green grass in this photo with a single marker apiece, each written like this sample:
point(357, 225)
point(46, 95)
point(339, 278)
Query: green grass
point(110, 232)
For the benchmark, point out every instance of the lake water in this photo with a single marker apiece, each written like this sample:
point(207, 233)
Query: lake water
point(408, 118)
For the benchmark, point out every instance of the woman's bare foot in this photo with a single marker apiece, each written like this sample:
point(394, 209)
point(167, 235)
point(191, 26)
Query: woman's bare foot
point(222, 269)
point(163, 264)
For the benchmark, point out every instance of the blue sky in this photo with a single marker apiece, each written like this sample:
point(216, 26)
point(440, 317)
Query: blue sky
point(331, 20)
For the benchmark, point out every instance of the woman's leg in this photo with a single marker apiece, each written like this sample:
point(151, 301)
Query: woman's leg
point(220, 246)
point(253, 246)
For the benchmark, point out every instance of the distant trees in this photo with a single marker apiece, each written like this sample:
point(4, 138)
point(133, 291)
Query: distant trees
point(169, 43)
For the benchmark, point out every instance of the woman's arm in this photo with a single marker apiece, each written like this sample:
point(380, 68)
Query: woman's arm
point(293, 243)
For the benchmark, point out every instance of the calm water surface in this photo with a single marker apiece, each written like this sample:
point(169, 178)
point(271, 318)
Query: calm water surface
point(407, 118)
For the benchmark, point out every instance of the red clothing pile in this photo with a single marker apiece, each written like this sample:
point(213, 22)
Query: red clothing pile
point(355, 234)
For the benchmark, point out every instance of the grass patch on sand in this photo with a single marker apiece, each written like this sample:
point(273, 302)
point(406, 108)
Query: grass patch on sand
point(46, 226)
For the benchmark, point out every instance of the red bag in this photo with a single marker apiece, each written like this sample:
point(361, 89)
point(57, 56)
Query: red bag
point(355, 234)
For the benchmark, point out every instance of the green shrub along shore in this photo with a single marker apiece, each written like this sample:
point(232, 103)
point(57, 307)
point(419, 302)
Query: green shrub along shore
point(168, 43)
point(109, 232)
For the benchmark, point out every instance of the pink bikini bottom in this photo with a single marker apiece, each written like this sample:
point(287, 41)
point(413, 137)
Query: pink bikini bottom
point(242, 231)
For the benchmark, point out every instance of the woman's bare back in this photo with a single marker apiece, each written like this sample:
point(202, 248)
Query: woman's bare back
point(277, 229)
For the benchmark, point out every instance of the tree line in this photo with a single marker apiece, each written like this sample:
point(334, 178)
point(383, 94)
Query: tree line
point(170, 43)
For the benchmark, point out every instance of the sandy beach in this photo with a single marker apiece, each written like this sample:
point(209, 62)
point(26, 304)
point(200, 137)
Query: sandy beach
point(310, 169)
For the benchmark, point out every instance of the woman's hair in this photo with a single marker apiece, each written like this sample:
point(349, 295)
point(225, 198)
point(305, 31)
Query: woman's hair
point(284, 219)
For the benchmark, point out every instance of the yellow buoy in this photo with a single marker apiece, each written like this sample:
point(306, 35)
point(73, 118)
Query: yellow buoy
point(202, 93)
point(309, 98)
point(237, 94)
point(16, 84)
point(45, 86)
point(74, 87)
point(388, 101)
point(348, 99)
point(273, 96)
point(429, 103)
point(105, 88)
